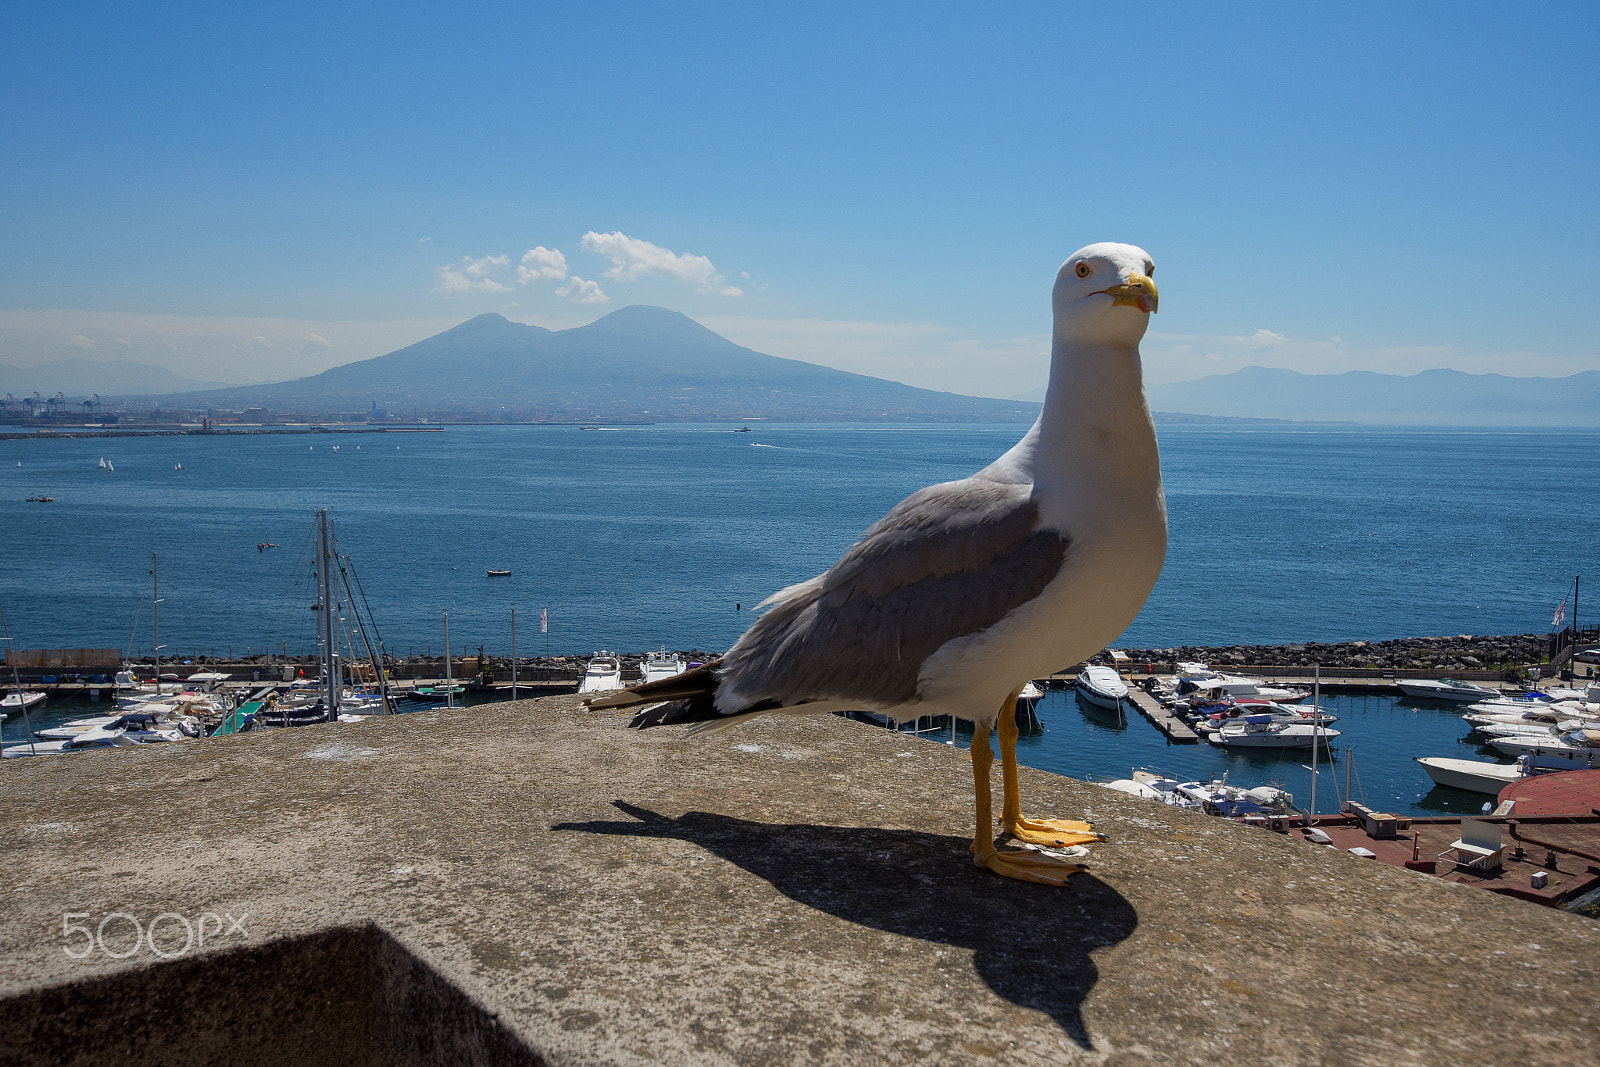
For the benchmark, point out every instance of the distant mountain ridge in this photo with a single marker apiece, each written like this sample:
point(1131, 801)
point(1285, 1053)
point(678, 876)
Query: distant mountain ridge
point(637, 363)
point(1433, 397)
point(83, 377)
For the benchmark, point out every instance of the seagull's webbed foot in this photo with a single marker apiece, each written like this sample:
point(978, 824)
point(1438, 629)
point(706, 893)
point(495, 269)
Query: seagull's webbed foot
point(1052, 833)
point(1028, 864)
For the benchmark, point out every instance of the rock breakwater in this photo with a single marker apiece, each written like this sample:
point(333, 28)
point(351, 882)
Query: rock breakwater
point(1463, 652)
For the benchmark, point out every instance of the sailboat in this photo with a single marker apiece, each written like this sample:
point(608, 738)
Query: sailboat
point(336, 634)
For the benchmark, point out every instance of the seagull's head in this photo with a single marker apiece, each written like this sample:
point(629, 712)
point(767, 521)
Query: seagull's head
point(1104, 293)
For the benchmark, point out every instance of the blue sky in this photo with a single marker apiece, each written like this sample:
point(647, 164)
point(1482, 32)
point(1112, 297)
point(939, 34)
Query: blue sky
point(253, 195)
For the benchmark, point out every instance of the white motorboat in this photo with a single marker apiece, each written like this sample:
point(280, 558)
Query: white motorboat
point(1207, 684)
point(1518, 729)
point(603, 672)
point(1217, 797)
point(1475, 776)
point(1102, 687)
point(1166, 787)
point(1445, 689)
point(1574, 751)
point(1259, 731)
point(100, 737)
point(76, 728)
point(20, 700)
point(1215, 716)
point(1135, 789)
point(662, 664)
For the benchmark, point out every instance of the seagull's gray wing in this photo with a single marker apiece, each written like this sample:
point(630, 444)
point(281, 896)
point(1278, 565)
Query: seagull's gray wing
point(948, 561)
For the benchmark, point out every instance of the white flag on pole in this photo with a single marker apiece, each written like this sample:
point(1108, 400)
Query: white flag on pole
point(544, 620)
point(1561, 613)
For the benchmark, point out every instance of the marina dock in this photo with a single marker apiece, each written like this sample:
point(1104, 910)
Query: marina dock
point(1175, 728)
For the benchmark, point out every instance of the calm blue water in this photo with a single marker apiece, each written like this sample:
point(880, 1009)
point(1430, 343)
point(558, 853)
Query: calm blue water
point(642, 536)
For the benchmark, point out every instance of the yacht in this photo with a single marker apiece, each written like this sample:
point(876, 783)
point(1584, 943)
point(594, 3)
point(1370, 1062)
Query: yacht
point(1196, 681)
point(1218, 715)
point(1259, 731)
point(1102, 687)
point(604, 672)
point(1445, 689)
point(1575, 751)
point(1475, 776)
point(663, 664)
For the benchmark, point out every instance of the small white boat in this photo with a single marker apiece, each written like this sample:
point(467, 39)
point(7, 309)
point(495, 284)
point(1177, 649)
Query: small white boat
point(1259, 731)
point(603, 672)
point(1135, 789)
point(1102, 687)
point(1030, 695)
point(1445, 689)
point(20, 700)
point(1475, 776)
point(663, 664)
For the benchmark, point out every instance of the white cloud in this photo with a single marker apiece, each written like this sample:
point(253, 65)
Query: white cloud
point(258, 341)
point(470, 275)
point(582, 292)
point(1265, 339)
point(78, 340)
point(632, 259)
point(313, 342)
point(541, 264)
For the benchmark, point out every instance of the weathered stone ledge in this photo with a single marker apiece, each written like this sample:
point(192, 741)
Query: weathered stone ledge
point(530, 882)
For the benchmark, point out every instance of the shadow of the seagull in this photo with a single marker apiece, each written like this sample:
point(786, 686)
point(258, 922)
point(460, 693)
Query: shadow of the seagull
point(1031, 944)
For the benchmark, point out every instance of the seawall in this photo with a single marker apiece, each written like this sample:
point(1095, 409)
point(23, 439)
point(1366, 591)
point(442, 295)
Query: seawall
point(531, 882)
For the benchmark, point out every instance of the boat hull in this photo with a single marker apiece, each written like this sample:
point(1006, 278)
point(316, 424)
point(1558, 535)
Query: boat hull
point(1474, 776)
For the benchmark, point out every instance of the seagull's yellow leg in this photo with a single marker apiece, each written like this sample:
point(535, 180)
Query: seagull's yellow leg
point(1057, 832)
point(1028, 866)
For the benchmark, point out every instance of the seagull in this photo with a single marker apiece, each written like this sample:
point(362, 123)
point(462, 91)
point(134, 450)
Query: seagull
point(966, 590)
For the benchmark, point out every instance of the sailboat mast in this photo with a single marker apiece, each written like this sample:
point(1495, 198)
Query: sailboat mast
point(330, 652)
point(1316, 732)
point(361, 628)
point(449, 683)
point(155, 613)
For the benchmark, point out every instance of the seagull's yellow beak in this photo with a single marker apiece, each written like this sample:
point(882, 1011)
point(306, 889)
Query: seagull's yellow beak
point(1138, 291)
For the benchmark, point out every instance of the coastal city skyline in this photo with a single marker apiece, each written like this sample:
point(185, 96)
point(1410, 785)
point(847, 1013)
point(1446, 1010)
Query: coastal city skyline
point(252, 197)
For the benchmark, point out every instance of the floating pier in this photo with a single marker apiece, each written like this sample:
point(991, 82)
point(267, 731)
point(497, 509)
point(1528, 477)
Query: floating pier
point(1168, 723)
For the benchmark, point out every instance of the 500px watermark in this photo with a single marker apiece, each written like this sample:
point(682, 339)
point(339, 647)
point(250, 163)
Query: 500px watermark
point(168, 935)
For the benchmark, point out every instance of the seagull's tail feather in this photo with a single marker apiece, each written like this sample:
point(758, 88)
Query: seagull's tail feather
point(699, 709)
point(699, 682)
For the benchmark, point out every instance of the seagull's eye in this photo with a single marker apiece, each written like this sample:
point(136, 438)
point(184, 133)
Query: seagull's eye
point(1083, 270)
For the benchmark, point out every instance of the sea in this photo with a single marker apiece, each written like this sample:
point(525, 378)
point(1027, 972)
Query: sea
point(631, 538)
